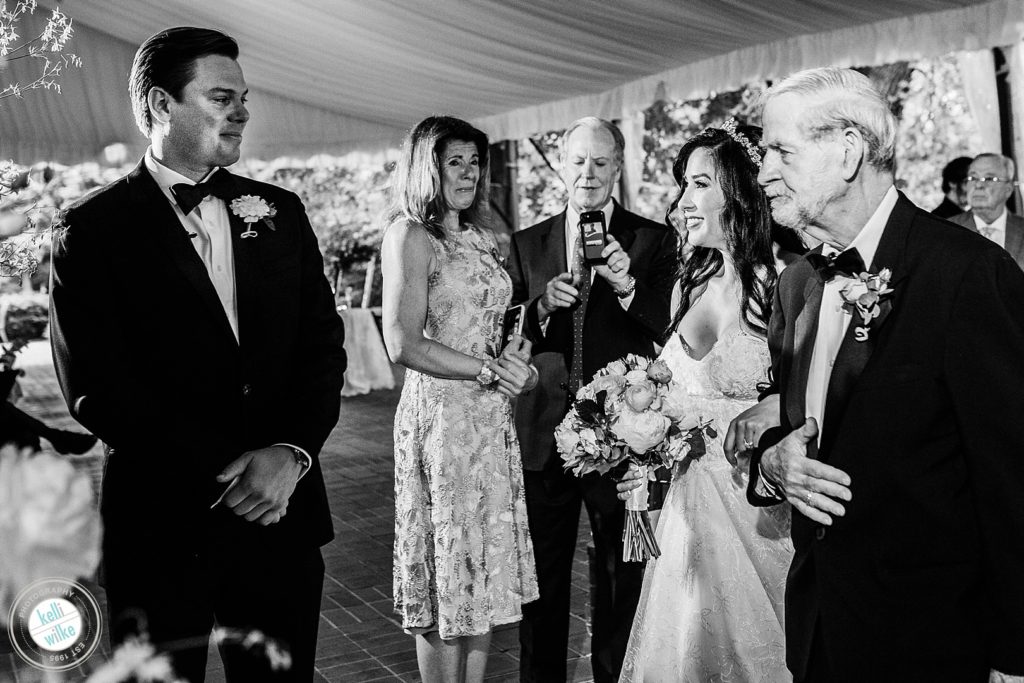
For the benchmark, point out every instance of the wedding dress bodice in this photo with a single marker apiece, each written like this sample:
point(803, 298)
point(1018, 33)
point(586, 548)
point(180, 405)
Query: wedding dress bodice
point(724, 382)
point(731, 369)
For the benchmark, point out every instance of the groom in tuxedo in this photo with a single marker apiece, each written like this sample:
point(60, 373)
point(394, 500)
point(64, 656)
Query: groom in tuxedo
point(194, 332)
point(900, 451)
point(580, 319)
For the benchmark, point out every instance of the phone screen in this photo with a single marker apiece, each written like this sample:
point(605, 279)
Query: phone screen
point(592, 231)
point(515, 318)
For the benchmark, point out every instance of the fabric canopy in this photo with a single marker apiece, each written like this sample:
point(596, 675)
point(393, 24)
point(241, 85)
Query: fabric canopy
point(344, 75)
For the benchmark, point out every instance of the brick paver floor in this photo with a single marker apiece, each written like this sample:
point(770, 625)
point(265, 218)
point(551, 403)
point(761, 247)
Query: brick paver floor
point(360, 638)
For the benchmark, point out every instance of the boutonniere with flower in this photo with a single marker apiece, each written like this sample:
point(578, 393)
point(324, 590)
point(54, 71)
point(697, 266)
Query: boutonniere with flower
point(864, 296)
point(251, 208)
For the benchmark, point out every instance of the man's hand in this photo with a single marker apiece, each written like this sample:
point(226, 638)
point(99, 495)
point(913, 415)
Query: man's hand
point(810, 486)
point(616, 267)
point(559, 293)
point(266, 479)
point(746, 429)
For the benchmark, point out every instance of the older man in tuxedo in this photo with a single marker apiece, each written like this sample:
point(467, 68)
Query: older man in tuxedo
point(897, 351)
point(990, 182)
point(194, 332)
point(580, 319)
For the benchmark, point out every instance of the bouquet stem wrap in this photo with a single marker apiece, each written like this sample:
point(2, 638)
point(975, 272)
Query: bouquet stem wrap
point(638, 543)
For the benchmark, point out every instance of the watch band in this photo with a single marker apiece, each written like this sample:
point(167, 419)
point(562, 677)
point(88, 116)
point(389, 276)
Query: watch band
point(630, 286)
point(486, 376)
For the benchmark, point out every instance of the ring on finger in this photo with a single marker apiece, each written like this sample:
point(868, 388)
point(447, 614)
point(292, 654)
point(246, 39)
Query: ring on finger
point(808, 498)
point(747, 445)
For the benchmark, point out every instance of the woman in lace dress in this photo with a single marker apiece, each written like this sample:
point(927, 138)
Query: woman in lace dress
point(463, 558)
point(712, 604)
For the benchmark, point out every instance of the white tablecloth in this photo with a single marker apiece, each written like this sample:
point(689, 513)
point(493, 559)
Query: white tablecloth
point(368, 364)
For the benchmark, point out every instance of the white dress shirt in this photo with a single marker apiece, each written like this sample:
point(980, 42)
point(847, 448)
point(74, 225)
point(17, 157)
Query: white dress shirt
point(210, 223)
point(833, 320)
point(996, 230)
point(572, 230)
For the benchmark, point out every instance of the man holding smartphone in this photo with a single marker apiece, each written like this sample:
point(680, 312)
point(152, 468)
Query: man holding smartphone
point(581, 314)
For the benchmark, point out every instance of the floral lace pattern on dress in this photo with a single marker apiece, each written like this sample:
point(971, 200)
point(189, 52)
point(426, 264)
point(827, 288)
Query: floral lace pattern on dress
point(712, 605)
point(463, 560)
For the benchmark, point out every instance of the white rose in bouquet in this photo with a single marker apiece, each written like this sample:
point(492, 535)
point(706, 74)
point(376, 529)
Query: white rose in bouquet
point(642, 431)
point(636, 376)
point(659, 372)
point(640, 396)
point(566, 438)
point(613, 384)
point(588, 439)
point(617, 367)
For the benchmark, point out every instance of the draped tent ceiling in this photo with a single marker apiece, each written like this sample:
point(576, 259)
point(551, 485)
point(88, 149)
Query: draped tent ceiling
point(352, 75)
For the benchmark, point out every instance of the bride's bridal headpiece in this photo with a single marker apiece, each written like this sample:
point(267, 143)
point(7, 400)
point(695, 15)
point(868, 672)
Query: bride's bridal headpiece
point(730, 128)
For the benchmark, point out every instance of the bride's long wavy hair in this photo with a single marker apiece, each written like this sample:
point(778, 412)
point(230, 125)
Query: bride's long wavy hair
point(746, 222)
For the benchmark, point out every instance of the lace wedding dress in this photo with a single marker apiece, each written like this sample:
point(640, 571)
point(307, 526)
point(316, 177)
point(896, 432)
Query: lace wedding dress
point(712, 604)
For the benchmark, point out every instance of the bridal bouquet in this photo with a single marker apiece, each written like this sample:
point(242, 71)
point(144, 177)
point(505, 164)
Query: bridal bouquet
point(632, 411)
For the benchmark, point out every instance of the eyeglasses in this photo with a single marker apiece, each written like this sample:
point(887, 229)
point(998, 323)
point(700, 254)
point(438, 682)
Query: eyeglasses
point(986, 180)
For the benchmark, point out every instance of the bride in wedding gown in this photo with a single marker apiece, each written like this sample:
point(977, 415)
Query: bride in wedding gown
point(712, 604)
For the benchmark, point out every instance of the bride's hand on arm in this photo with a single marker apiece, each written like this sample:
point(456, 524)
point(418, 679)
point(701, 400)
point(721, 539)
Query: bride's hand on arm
point(746, 429)
point(407, 260)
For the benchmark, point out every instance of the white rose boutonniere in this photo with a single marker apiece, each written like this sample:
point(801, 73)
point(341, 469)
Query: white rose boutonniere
point(864, 296)
point(251, 208)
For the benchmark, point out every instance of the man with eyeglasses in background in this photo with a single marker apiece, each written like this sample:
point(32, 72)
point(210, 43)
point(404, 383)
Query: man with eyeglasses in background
point(990, 182)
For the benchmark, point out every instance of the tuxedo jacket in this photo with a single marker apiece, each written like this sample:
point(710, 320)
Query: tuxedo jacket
point(609, 332)
point(921, 579)
point(148, 362)
point(1014, 232)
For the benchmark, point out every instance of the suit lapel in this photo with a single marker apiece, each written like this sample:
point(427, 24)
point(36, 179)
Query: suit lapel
point(1015, 238)
point(804, 331)
point(854, 355)
point(244, 251)
point(549, 259)
point(173, 240)
point(621, 228)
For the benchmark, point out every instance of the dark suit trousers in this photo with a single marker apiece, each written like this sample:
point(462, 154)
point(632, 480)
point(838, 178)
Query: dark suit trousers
point(553, 500)
point(177, 597)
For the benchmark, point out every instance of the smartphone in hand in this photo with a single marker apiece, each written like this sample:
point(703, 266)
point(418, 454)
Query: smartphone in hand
point(593, 235)
point(515, 320)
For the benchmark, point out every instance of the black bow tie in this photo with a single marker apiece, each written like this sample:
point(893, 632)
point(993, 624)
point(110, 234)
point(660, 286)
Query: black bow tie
point(848, 263)
point(190, 196)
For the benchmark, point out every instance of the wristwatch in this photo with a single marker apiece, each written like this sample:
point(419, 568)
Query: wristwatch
point(628, 289)
point(301, 459)
point(487, 376)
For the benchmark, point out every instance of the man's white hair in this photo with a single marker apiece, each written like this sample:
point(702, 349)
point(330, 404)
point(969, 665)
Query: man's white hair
point(1009, 167)
point(844, 98)
point(595, 123)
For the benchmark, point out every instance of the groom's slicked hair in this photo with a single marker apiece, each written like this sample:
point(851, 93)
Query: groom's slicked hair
point(845, 99)
point(167, 60)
